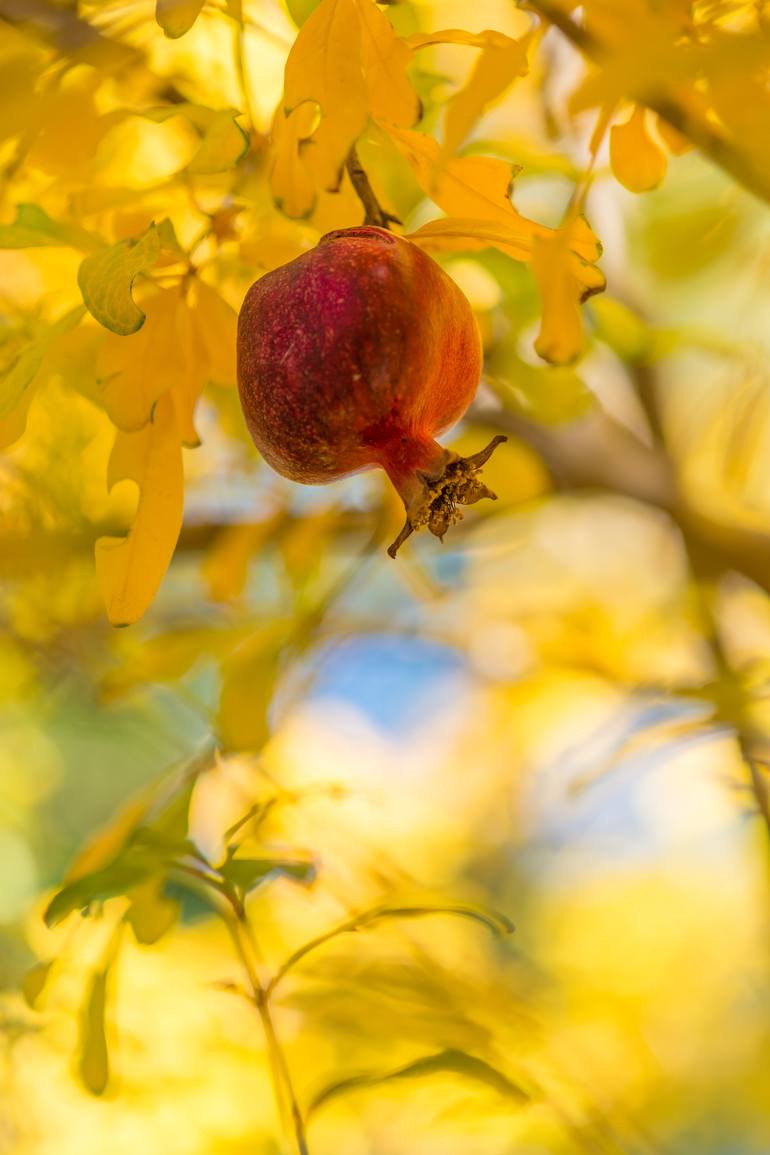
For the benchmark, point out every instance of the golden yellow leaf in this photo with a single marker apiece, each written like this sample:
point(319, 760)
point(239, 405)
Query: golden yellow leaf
point(385, 58)
point(131, 569)
point(564, 282)
point(487, 39)
point(177, 16)
point(94, 1063)
point(291, 182)
point(637, 161)
point(324, 66)
point(189, 370)
point(467, 186)
point(217, 325)
point(134, 371)
point(496, 69)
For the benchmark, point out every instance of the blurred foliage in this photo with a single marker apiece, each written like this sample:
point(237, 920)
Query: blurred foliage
point(260, 850)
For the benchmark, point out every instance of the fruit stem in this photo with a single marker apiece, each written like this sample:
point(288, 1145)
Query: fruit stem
point(375, 214)
point(435, 503)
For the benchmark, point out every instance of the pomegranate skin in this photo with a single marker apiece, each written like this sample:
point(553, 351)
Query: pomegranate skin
point(357, 354)
point(351, 352)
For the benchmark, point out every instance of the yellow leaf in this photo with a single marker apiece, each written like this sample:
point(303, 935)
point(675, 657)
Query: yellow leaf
point(467, 186)
point(177, 16)
point(34, 982)
point(217, 324)
point(385, 58)
point(517, 238)
point(226, 565)
point(224, 143)
point(134, 371)
point(106, 277)
point(248, 683)
point(324, 65)
point(487, 39)
point(151, 914)
point(22, 369)
point(564, 282)
point(131, 569)
point(190, 371)
point(637, 161)
point(497, 67)
point(94, 1062)
point(291, 182)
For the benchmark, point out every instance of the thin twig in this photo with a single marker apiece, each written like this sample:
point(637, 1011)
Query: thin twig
point(375, 214)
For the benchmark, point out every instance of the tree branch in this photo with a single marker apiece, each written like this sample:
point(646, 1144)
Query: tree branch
point(712, 143)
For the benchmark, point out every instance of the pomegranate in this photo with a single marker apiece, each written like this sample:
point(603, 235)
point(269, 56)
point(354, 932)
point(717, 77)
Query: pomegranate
point(356, 355)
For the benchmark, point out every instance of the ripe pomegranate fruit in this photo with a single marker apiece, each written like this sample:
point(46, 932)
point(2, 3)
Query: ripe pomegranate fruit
point(357, 354)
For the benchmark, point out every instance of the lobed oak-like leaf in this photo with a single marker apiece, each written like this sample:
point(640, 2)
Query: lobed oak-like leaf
point(106, 279)
point(324, 66)
point(131, 569)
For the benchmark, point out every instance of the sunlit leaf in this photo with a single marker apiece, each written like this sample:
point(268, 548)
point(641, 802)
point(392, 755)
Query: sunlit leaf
point(131, 569)
point(496, 69)
point(177, 16)
point(94, 1063)
point(563, 283)
point(324, 66)
point(247, 873)
point(24, 367)
point(34, 982)
point(33, 228)
point(637, 161)
point(468, 186)
point(444, 1062)
point(106, 278)
point(151, 914)
point(248, 683)
point(291, 181)
point(224, 143)
point(487, 39)
point(134, 371)
point(385, 58)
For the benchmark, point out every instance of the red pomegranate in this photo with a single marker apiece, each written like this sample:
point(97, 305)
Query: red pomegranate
point(357, 354)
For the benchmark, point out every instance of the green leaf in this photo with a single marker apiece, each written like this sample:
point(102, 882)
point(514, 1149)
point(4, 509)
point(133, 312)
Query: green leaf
point(33, 228)
point(177, 16)
point(25, 366)
point(247, 873)
point(445, 1062)
point(94, 1064)
point(131, 868)
point(106, 277)
point(34, 981)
